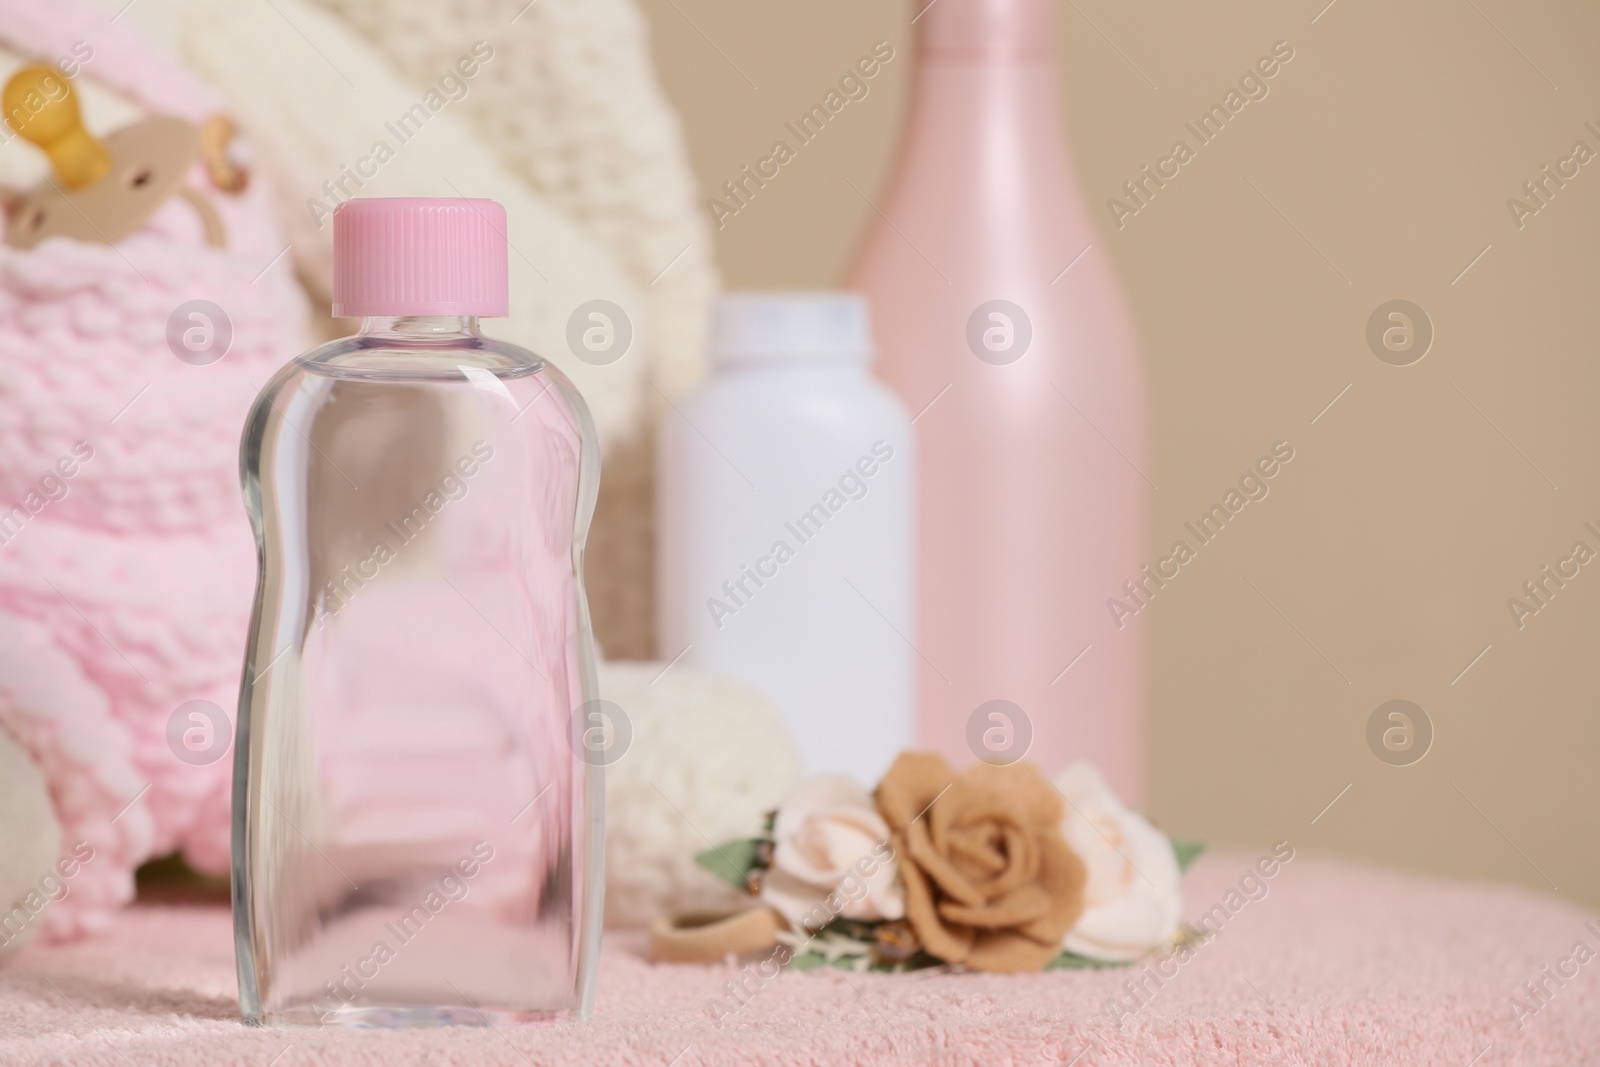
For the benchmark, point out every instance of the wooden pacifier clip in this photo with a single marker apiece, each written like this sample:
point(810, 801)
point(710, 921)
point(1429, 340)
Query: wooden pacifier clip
point(102, 191)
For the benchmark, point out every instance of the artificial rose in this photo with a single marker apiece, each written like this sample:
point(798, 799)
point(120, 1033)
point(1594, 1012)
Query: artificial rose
point(1131, 899)
point(989, 880)
point(831, 857)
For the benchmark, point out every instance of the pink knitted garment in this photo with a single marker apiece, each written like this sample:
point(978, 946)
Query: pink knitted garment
point(125, 588)
point(1336, 965)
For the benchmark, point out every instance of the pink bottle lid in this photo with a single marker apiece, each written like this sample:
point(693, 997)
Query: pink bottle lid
point(419, 255)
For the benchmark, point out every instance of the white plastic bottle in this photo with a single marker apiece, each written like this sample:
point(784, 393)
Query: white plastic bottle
point(785, 542)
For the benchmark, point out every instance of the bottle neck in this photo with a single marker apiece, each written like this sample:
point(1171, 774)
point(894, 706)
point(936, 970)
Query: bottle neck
point(986, 111)
point(784, 363)
point(998, 32)
point(420, 329)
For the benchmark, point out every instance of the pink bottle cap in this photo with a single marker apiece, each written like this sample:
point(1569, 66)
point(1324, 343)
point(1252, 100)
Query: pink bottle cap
point(419, 255)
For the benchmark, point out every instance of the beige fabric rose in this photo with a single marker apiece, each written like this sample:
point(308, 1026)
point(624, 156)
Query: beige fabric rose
point(1131, 898)
point(989, 880)
point(831, 857)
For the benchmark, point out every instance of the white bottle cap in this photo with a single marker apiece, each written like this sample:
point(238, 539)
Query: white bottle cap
point(757, 327)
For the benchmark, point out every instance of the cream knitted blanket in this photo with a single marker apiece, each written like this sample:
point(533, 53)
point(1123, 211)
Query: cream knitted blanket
point(559, 119)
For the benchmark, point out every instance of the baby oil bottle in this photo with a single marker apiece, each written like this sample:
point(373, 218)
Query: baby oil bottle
point(417, 823)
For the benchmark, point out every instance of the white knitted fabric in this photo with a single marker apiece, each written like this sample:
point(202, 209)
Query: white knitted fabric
point(709, 757)
point(574, 108)
point(315, 97)
point(33, 841)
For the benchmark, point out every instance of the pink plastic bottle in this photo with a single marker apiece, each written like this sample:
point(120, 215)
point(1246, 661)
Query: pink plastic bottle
point(1002, 329)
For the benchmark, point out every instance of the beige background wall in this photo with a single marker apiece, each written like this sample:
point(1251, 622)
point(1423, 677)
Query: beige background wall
point(1380, 566)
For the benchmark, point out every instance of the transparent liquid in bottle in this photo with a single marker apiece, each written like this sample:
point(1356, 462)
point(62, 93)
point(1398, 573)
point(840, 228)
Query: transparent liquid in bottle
point(417, 834)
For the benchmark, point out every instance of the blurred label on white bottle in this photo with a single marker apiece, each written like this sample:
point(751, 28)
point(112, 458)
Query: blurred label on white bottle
point(785, 540)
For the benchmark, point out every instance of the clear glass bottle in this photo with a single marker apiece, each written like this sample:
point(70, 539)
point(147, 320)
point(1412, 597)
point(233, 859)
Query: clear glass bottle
point(417, 833)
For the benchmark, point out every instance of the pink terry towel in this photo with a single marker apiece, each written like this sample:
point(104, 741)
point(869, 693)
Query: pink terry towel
point(1332, 965)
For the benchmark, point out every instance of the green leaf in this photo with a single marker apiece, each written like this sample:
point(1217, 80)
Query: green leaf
point(732, 861)
point(1071, 961)
point(808, 961)
point(1187, 852)
point(918, 962)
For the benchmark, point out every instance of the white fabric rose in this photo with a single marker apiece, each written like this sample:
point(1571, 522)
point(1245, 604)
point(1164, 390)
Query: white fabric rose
point(830, 842)
point(1131, 898)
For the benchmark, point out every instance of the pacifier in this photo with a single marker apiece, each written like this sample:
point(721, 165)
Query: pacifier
point(103, 190)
